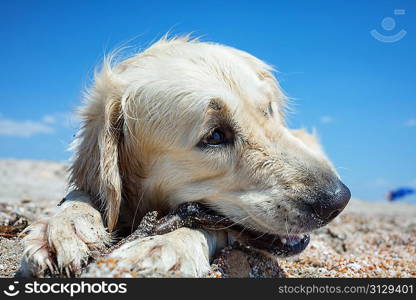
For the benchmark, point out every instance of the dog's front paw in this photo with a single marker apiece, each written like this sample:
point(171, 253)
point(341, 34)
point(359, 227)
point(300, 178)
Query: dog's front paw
point(61, 245)
point(181, 253)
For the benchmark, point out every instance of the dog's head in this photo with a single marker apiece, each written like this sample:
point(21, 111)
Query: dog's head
point(190, 121)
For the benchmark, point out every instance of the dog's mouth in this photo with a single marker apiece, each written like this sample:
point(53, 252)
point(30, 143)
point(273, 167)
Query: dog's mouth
point(279, 245)
point(197, 215)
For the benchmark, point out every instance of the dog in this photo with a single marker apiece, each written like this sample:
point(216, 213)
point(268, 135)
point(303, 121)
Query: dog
point(185, 121)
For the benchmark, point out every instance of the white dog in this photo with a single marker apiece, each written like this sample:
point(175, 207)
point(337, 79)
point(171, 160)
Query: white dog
point(186, 121)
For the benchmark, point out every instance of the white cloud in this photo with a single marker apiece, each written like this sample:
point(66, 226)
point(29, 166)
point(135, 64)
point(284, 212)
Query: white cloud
point(326, 119)
point(47, 125)
point(50, 119)
point(410, 123)
point(23, 128)
point(65, 119)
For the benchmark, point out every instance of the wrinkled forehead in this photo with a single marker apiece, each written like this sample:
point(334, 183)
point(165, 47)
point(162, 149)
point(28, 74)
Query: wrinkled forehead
point(241, 81)
point(207, 69)
point(181, 81)
point(246, 88)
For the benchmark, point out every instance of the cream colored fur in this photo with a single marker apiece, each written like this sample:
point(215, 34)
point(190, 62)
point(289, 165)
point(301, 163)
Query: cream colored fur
point(137, 151)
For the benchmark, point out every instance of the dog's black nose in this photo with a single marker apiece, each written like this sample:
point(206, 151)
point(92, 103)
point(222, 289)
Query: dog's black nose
point(330, 206)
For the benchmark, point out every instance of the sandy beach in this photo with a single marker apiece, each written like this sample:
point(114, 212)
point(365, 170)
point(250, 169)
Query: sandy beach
point(369, 239)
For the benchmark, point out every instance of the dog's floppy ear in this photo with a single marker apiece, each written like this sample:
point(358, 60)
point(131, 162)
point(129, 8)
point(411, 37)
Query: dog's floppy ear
point(109, 140)
point(95, 168)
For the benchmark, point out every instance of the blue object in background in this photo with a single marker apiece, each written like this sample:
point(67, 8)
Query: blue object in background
point(399, 193)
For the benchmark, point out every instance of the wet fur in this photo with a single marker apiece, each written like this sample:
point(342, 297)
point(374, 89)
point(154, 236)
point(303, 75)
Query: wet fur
point(137, 151)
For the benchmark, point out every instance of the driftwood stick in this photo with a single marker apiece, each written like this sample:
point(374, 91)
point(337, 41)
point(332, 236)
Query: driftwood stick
point(192, 215)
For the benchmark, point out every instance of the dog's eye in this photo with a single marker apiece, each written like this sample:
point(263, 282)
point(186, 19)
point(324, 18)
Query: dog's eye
point(217, 137)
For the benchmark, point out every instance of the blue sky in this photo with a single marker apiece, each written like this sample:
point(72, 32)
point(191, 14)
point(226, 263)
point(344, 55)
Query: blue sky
point(357, 91)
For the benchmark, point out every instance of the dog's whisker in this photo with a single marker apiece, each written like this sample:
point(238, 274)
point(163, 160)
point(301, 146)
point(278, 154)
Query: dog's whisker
point(260, 236)
point(238, 222)
point(139, 202)
point(287, 231)
point(342, 168)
